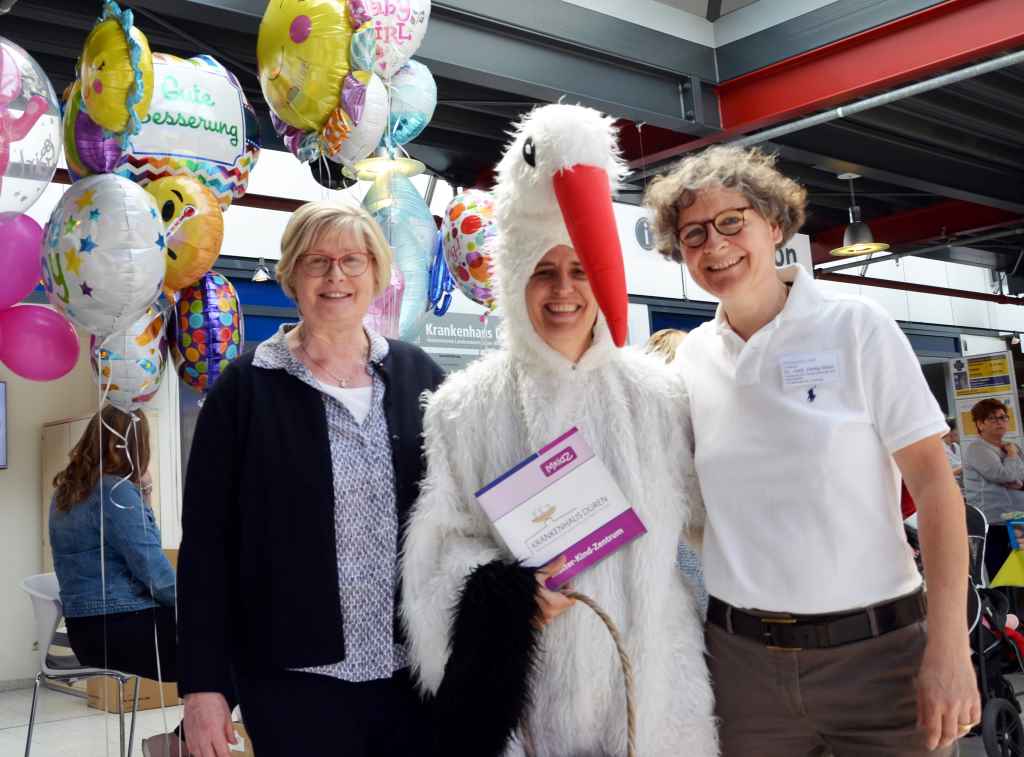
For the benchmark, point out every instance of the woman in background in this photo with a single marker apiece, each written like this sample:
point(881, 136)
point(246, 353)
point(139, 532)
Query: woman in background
point(116, 585)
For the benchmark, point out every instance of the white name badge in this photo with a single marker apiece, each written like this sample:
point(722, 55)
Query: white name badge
point(809, 368)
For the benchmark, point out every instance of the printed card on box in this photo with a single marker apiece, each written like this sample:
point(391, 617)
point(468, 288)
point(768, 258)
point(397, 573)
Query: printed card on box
point(561, 501)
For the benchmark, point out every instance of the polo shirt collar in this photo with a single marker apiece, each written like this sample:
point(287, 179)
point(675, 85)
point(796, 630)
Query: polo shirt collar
point(804, 299)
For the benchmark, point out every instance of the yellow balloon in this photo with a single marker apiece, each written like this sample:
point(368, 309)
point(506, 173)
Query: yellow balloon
point(108, 78)
point(194, 228)
point(303, 56)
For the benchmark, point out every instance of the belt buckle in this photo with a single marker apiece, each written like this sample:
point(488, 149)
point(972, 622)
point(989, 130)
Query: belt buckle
point(769, 624)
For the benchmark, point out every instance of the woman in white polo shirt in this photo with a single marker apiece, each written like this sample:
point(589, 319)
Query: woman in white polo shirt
point(807, 407)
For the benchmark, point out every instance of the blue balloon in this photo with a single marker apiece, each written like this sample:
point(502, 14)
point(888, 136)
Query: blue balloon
point(413, 99)
point(441, 281)
point(410, 230)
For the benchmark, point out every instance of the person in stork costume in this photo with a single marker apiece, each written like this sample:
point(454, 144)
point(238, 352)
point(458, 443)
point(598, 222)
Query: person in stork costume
point(513, 667)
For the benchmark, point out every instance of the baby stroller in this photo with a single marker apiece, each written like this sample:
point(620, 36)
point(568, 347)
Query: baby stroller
point(995, 649)
point(996, 652)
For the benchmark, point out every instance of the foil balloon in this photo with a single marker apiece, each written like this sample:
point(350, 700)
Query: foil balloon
point(116, 72)
point(103, 253)
point(88, 147)
point(200, 124)
point(194, 227)
point(369, 123)
point(29, 130)
point(129, 365)
point(382, 316)
point(37, 343)
point(409, 228)
point(207, 333)
point(468, 231)
point(302, 53)
point(440, 281)
point(413, 100)
point(400, 25)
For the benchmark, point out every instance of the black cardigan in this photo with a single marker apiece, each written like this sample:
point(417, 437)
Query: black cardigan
point(257, 569)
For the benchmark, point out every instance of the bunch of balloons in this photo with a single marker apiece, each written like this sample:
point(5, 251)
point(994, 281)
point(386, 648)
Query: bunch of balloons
point(36, 342)
point(158, 147)
point(338, 77)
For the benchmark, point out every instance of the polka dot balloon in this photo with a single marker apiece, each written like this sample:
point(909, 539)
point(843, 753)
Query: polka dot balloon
point(468, 233)
point(208, 331)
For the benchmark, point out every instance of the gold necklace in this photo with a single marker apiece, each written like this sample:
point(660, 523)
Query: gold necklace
point(340, 381)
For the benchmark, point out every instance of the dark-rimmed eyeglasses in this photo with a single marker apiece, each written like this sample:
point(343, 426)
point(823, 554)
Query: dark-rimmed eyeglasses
point(351, 264)
point(998, 419)
point(727, 223)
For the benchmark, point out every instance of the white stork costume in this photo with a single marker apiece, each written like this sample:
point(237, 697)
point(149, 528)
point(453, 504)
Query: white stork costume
point(466, 605)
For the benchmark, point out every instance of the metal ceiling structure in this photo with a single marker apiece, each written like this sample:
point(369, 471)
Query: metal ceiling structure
point(942, 170)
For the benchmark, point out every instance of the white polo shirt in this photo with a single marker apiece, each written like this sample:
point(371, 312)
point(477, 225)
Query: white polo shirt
point(801, 491)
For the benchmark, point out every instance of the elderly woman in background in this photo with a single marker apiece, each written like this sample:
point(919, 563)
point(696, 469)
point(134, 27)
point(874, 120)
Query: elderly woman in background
point(305, 462)
point(665, 344)
point(806, 408)
point(993, 473)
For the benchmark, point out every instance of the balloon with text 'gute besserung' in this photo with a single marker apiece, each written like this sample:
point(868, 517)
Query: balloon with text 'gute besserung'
point(103, 253)
point(29, 130)
point(200, 124)
point(129, 365)
point(208, 331)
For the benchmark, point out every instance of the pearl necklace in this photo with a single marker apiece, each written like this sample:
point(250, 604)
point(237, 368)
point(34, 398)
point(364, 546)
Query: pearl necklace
point(343, 382)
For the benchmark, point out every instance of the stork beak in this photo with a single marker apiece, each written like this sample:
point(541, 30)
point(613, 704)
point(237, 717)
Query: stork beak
point(586, 205)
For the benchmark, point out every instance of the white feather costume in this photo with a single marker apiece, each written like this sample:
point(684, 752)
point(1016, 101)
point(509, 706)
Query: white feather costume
point(490, 416)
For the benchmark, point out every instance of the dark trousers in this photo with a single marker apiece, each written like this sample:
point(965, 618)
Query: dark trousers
point(856, 700)
point(132, 642)
point(288, 713)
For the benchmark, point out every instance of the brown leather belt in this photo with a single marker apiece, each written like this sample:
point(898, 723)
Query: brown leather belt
point(794, 633)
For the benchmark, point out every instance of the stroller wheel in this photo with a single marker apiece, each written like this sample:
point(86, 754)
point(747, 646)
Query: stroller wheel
point(1001, 729)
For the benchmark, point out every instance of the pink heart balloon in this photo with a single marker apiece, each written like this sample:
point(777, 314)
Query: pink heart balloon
point(37, 342)
point(21, 241)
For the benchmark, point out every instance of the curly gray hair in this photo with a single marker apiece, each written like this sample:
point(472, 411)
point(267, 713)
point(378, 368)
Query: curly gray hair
point(749, 171)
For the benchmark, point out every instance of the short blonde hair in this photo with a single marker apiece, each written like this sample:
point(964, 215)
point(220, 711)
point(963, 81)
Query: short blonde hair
point(664, 343)
point(749, 171)
point(314, 220)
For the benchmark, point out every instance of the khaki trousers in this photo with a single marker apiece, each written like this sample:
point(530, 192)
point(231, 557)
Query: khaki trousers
point(856, 700)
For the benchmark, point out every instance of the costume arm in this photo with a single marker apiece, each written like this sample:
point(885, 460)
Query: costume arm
point(447, 538)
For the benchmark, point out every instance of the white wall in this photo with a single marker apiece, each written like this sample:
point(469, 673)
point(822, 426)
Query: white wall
point(29, 405)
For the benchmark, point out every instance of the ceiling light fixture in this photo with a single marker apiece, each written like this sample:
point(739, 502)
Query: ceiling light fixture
point(262, 273)
point(857, 239)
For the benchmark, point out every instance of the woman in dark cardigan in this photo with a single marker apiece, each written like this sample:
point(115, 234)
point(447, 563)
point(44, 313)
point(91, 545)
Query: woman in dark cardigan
point(305, 462)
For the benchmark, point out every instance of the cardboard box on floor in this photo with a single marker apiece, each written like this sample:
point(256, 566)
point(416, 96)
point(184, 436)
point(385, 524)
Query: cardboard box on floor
point(102, 692)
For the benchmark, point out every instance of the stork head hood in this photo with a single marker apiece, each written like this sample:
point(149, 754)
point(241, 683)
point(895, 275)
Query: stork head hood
point(554, 188)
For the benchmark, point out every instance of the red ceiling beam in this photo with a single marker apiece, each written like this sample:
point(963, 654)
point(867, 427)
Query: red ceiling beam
point(919, 225)
point(922, 44)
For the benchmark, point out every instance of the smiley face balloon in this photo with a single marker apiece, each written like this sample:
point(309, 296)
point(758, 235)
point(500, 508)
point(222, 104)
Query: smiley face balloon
point(303, 56)
point(116, 72)
point(194, 228)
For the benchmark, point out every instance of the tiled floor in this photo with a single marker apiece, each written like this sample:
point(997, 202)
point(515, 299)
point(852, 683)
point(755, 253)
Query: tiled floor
point(66, 727)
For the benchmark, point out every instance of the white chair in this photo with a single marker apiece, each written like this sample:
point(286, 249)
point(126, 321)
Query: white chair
point(45, 594)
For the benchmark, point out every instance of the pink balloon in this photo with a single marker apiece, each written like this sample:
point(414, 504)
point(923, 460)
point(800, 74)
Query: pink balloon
point(21, 241)
point(37, 342)
point(383, 313)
